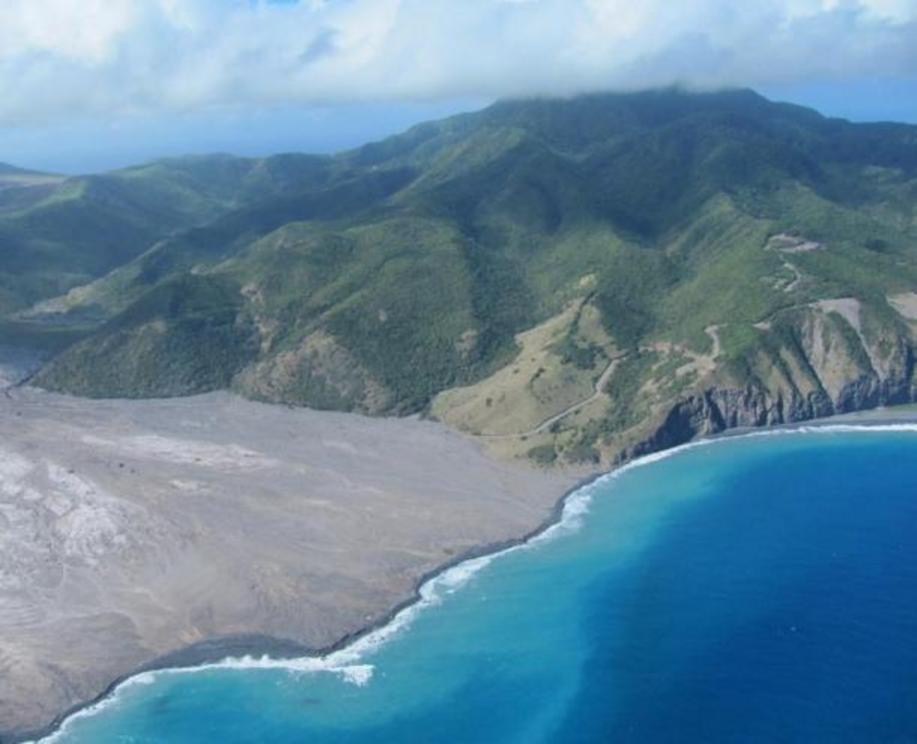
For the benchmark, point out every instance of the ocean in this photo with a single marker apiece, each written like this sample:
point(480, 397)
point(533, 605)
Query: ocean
point(756, 589)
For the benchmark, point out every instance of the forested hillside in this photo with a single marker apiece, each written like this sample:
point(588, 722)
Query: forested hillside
point(568, 279)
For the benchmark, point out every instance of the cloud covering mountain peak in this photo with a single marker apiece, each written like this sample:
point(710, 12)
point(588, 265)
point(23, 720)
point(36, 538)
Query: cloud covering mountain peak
point(115, 56)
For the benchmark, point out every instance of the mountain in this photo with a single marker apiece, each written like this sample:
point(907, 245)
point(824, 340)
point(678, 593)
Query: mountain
point(12, 177)
point(572, 280)
point(58, 233)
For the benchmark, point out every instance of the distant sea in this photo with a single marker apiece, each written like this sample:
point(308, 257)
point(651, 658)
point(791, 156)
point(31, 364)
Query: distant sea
point(757, 589)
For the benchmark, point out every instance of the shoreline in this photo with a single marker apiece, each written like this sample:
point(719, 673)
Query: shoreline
point(223, 651)
point(211, 652)
point(243, 523)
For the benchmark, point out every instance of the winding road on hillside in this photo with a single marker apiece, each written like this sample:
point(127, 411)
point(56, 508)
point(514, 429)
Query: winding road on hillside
point(598, 389)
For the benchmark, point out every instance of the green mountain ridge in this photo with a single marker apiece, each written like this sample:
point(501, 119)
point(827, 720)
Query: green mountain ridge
point(58, 233)
point(568, 279)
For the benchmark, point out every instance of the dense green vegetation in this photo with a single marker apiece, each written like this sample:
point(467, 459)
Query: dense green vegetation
point(59, 233)
point(374, 279)
point(184, 336)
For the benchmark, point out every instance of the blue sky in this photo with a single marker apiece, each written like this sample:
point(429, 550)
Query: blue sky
point(869, 99)
point(96, 84)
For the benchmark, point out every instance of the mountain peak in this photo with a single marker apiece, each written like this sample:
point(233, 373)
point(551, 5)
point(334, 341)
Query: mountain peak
point(701, 234)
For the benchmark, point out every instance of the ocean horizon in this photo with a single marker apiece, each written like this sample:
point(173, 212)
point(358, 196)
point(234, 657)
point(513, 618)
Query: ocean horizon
point(750, 588)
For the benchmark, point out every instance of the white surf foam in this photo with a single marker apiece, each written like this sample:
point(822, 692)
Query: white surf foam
point(349, 661)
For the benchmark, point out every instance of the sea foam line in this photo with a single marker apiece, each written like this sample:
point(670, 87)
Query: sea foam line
point(346, 661)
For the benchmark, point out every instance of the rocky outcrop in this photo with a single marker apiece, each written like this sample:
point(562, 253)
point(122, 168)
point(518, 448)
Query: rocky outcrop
point(826, 369)
point(720, 409)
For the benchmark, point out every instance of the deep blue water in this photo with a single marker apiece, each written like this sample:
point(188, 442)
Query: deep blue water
point(760, 589)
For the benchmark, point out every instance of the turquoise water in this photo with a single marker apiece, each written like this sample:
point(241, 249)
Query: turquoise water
point(758, 589)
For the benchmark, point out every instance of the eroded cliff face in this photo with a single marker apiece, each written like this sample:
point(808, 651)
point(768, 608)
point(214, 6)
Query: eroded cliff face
point(828, 358)
point(810, 359)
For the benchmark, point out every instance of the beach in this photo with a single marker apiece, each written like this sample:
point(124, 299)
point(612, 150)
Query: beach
point(172, 532)
point(480, 637)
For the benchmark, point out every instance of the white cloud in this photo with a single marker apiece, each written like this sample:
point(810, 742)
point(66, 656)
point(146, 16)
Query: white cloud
point(59, 57)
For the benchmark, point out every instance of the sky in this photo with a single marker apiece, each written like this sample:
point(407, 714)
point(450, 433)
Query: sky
point(96, 84)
